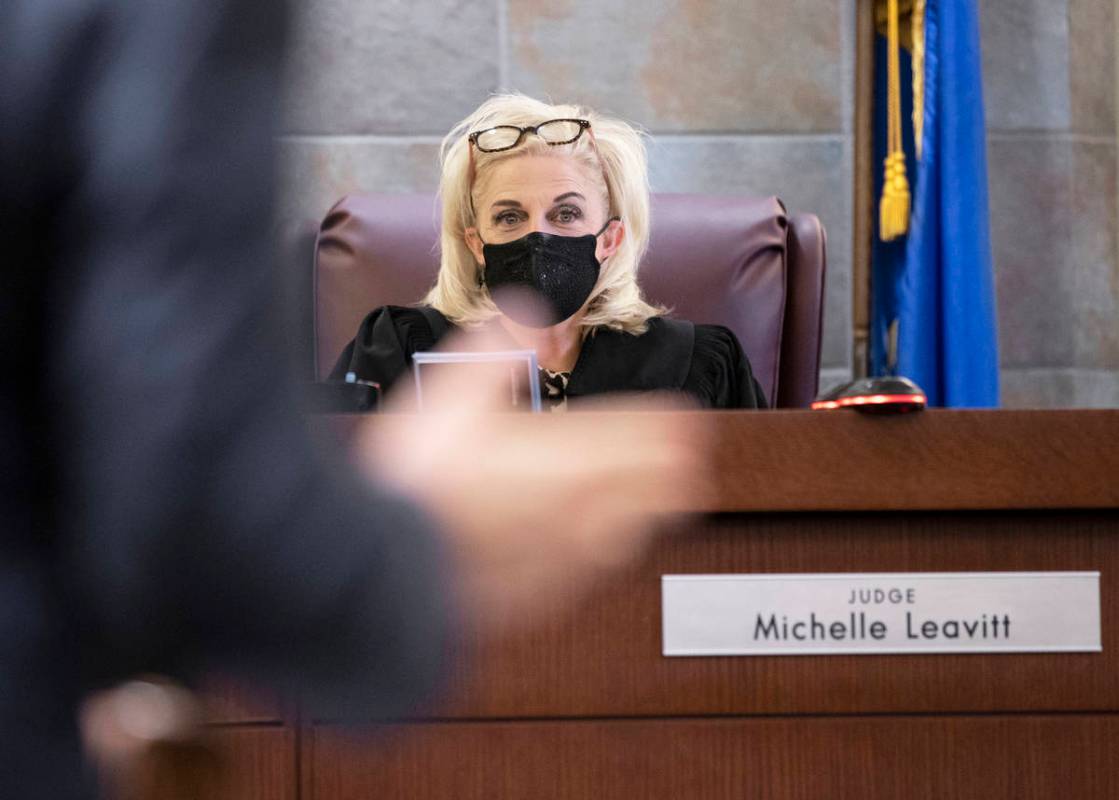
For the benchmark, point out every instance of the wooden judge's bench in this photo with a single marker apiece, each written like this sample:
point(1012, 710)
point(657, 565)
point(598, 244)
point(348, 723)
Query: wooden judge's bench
point(587, 707)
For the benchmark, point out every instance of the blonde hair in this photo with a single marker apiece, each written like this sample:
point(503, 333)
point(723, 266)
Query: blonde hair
point(616, 301)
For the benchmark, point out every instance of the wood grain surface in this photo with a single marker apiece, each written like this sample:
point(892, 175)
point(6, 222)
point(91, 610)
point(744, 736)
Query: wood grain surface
point(1017, 757)
point(586, 706)
point(850, 461)
point(797, 461)
point(603, 658)
point(936, 459)
point(228, 763)
point(259, 763)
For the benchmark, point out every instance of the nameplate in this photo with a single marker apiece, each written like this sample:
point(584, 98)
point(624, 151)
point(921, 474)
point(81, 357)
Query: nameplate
point(906, 612)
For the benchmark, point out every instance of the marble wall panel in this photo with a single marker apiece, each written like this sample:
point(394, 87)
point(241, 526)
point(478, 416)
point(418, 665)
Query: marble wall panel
point(1060, 388)
point(1092, 37)
point(847, 48)
point(389, 67)
point(830, 377)
point(1050, 91)
point(1053, 237)
point(1095, 269)
point(686, 65)
point(316, 172)
point(1026, 64)
point(1030, 181)
point(811, 173)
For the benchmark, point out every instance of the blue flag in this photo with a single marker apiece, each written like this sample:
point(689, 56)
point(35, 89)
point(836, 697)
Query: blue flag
point(933, 304)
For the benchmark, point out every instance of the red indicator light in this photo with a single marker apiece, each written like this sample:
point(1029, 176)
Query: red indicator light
point(871, 399)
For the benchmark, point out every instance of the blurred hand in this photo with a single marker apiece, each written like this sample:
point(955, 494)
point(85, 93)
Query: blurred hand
point(536, 506)
point(146, 740)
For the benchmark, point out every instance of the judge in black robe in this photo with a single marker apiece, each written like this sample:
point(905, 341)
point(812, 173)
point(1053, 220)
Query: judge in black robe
point(553, 201)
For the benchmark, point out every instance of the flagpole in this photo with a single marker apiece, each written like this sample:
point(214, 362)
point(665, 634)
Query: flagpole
point(864, 202)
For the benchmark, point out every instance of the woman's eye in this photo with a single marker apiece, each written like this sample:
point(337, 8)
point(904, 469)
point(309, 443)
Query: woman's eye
point(567, 214)
point(506, 218)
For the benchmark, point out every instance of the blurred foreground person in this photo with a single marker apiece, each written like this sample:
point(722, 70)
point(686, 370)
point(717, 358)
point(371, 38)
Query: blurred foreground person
point(163, 508)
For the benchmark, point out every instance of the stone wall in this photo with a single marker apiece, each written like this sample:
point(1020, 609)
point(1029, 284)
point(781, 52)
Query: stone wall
point(1050, 85)
point(747, 96)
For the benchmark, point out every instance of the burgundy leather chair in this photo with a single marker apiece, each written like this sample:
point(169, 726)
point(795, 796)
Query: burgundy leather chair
point(742, 262)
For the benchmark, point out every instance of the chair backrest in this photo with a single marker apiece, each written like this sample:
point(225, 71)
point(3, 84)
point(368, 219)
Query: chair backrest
point(742, 262)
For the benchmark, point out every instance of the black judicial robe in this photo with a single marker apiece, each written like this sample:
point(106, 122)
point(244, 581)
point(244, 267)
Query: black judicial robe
point(705, 362)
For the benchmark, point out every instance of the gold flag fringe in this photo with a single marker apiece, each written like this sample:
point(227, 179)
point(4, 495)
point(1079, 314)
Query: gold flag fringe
point(894, 205)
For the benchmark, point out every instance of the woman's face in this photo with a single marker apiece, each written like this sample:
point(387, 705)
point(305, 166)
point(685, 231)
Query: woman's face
point(553, 194)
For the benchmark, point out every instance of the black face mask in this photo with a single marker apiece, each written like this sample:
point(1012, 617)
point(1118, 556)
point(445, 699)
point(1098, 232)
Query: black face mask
point(561, 271)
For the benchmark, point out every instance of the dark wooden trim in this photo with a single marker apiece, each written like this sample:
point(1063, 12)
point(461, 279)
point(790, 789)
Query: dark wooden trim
point(935, 459)
point(256, 764)
point(791, 460)
point(1023, 757)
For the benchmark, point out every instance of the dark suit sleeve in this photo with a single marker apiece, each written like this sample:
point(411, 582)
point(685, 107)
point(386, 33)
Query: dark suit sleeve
point(202, 527)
